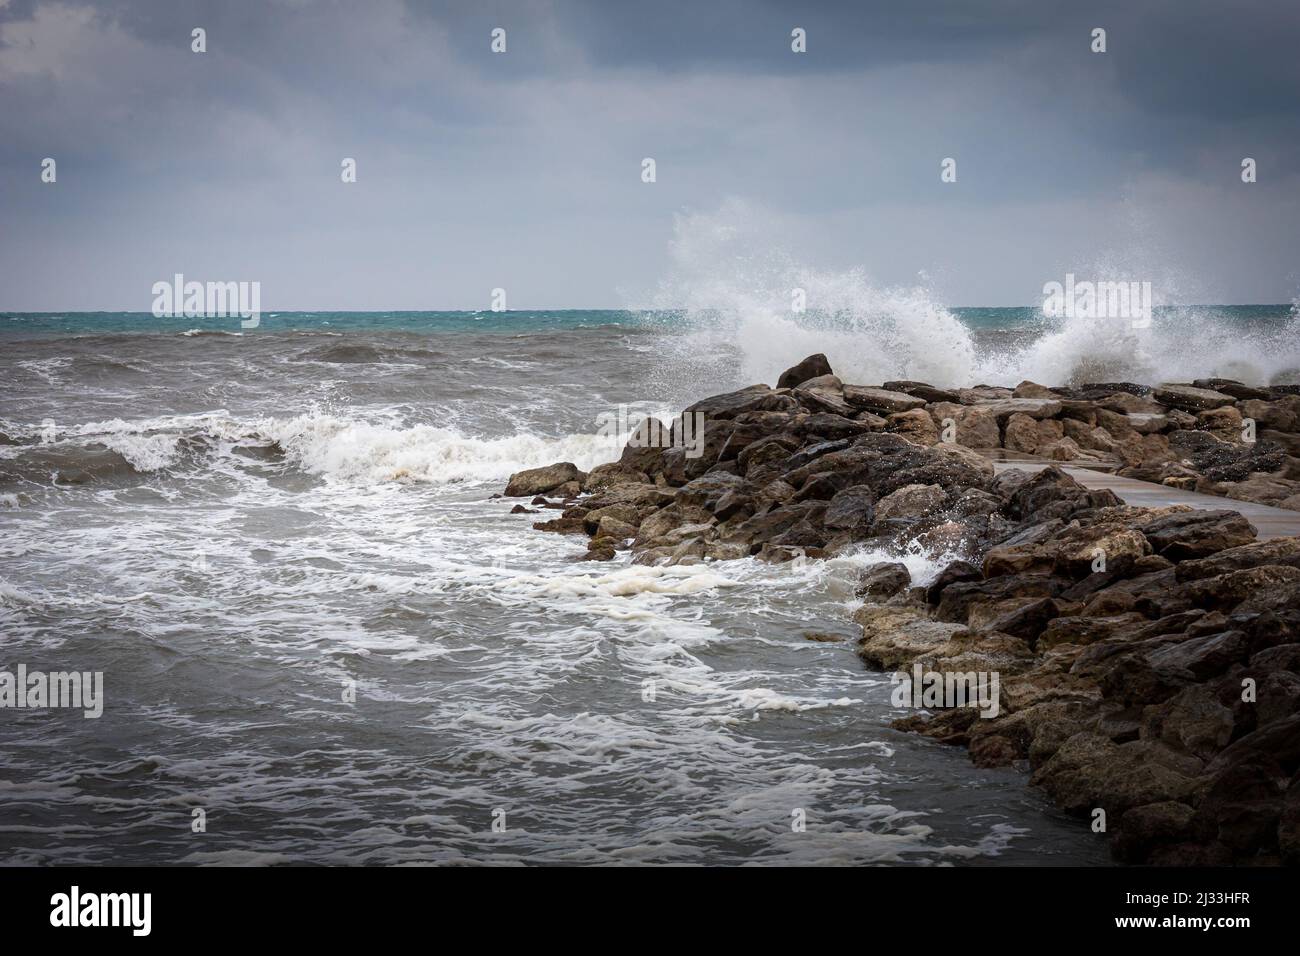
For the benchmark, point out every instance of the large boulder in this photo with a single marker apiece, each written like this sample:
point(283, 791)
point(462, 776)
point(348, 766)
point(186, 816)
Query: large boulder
point(853, 510)
point(755, 398)
point(880, 400)
point(1189, 398)
point(972, 425)
point(923, 391)
point(538, 481)
point(1180, 535)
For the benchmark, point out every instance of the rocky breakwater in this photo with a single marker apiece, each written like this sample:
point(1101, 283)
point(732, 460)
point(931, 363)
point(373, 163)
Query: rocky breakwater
point(1148, 659)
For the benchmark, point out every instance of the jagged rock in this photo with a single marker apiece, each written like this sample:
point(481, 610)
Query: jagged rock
point(893, 636)
point(883, 580)
point(1223, 461)
point(1243, 804)
point(623, 513)
point(1085, 630)
point(1048, 494)
point(1196, 534)
point(957, 599)
point(1004, 408)
point(1276, 551)
point(915, 425)
point(973, 426)
point(1228, 386)
point(1231, 589)
point(811, 367)
point(1142, 829)
point(1189, 398)
point(911, 501)
point(755, 398)
point(1194, 721)
point(610, 527)
point(851, 509)
point(982, 393)
point(923, 391)
point(1029, 389)
point(708, 489)
point(1091, 771)
point(956, 572)
point(1063, 449)
point(645, 447)
point(824, 394)
point(1282, 415)
point(880, 400)
point(613, 473)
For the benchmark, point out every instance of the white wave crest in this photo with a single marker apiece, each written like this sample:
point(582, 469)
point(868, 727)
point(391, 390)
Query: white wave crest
point(355, 451)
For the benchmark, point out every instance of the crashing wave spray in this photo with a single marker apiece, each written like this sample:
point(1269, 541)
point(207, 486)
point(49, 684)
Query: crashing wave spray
point(734, 299)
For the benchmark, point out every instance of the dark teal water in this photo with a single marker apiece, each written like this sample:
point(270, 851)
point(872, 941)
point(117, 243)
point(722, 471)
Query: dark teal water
point(999, 318)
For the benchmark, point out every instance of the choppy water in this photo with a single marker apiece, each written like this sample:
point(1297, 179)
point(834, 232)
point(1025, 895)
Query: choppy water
point(237, 528)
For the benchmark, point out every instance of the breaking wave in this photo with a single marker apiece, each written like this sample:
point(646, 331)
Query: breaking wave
point(735, 292)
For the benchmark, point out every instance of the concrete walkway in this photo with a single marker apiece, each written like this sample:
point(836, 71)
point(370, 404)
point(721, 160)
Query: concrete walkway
point(1270, 522)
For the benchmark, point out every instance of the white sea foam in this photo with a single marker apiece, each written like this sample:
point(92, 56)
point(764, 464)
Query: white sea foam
point(350, 450)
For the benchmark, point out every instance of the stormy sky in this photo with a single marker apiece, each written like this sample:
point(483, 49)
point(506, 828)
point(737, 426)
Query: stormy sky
point(522, 170)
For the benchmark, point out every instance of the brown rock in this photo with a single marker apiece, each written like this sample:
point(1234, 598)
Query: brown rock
point(811, 367)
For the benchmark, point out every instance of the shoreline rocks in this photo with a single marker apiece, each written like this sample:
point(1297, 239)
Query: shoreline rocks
point(1147, 659)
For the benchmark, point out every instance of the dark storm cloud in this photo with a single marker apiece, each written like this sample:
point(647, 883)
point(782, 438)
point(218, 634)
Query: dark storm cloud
point(479, 169)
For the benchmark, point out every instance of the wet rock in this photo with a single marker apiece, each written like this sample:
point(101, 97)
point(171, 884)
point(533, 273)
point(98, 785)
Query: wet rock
point(645, 448)
point(973, 426)
point(1190, 398)
point(1228, 386)
point(824, 394)
point(956, 600)
point(852, 509)
point(1142, 829)
point(1222, 461)
point(709, 489)
point(893, 636)
point(1029, 389)
point(1231, 589)
point(883, 580)
point(911, 502)
point(1085, 630)
point(755, 398)
point(915, 425)
point(626, 514)
point(1282, 415)
point(613, 473)
point(1004, 408)
point(1091, 771)
point(1051, 493)
point(1243, 805)
point(923, 391)
point(1276, 551)
point(1180, 535)
point(811, 367)
point(956, 572)
point(879, 400)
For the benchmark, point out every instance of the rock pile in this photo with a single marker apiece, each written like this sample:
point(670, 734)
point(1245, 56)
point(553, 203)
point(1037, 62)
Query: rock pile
point(1149, 657)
